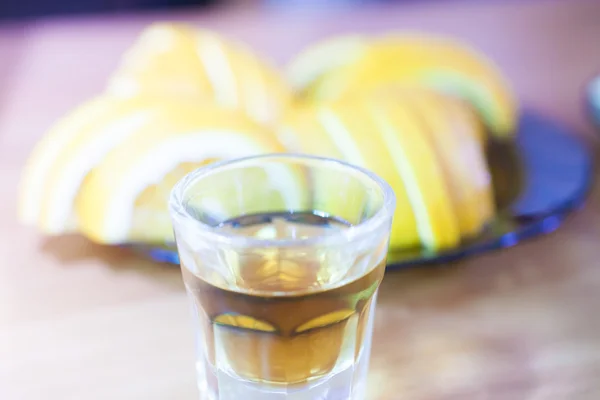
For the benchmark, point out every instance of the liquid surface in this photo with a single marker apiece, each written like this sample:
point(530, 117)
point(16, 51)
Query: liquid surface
point(251, 330)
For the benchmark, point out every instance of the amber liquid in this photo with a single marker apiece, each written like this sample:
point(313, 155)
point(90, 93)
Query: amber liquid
point(286, 318)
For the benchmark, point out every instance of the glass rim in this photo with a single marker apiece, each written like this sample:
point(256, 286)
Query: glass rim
point(180, 214)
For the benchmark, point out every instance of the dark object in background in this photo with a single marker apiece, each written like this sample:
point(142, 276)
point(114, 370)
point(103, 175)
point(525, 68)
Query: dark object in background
point(21, 9)
point(593, 100)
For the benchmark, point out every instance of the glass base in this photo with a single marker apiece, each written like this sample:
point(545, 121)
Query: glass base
point(340, 385)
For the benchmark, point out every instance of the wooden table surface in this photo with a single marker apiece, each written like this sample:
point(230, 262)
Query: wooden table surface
point(79, 321)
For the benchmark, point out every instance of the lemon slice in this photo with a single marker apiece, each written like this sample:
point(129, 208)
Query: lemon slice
point(473, 157)
point(125, 197)
point(302, 132)
point(327, 55)
point(417, 164)
point(83, 153)
point(462, 111)
point(50, 148)
point(163, 61)
point(368, 134)
point(356, 134)
point(310, 131)
point(443, 64)
point(62, 159)
point(454, 145)
point(241, 79)
point(179, 61)
point(319, 131)
point(447, 66)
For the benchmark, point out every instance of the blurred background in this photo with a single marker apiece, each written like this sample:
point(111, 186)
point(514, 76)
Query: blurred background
point(25, 9)
point(509, 325)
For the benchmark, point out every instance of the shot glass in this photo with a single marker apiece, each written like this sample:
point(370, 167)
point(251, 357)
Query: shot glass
point(282, 256)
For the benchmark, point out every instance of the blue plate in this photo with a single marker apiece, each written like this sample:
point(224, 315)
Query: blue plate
point(541, 177)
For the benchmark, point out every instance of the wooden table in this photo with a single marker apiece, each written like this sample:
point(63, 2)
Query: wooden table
point(79, 321)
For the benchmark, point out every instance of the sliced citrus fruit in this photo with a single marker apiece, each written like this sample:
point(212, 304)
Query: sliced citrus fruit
point(356, 134)
point(88, 149)
point(327, 55)
point(50, 148)
point(443, 64)
point(61, 160)
point(454, 146)
point(302, 132)
point(241, 79)
point(456, 68)
point(463, 111)
point(125, 197)
point(473, 156)
point(180, 61)
point(416, 162)
point(367, 134)
point(317, 131)
point(163, 61)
